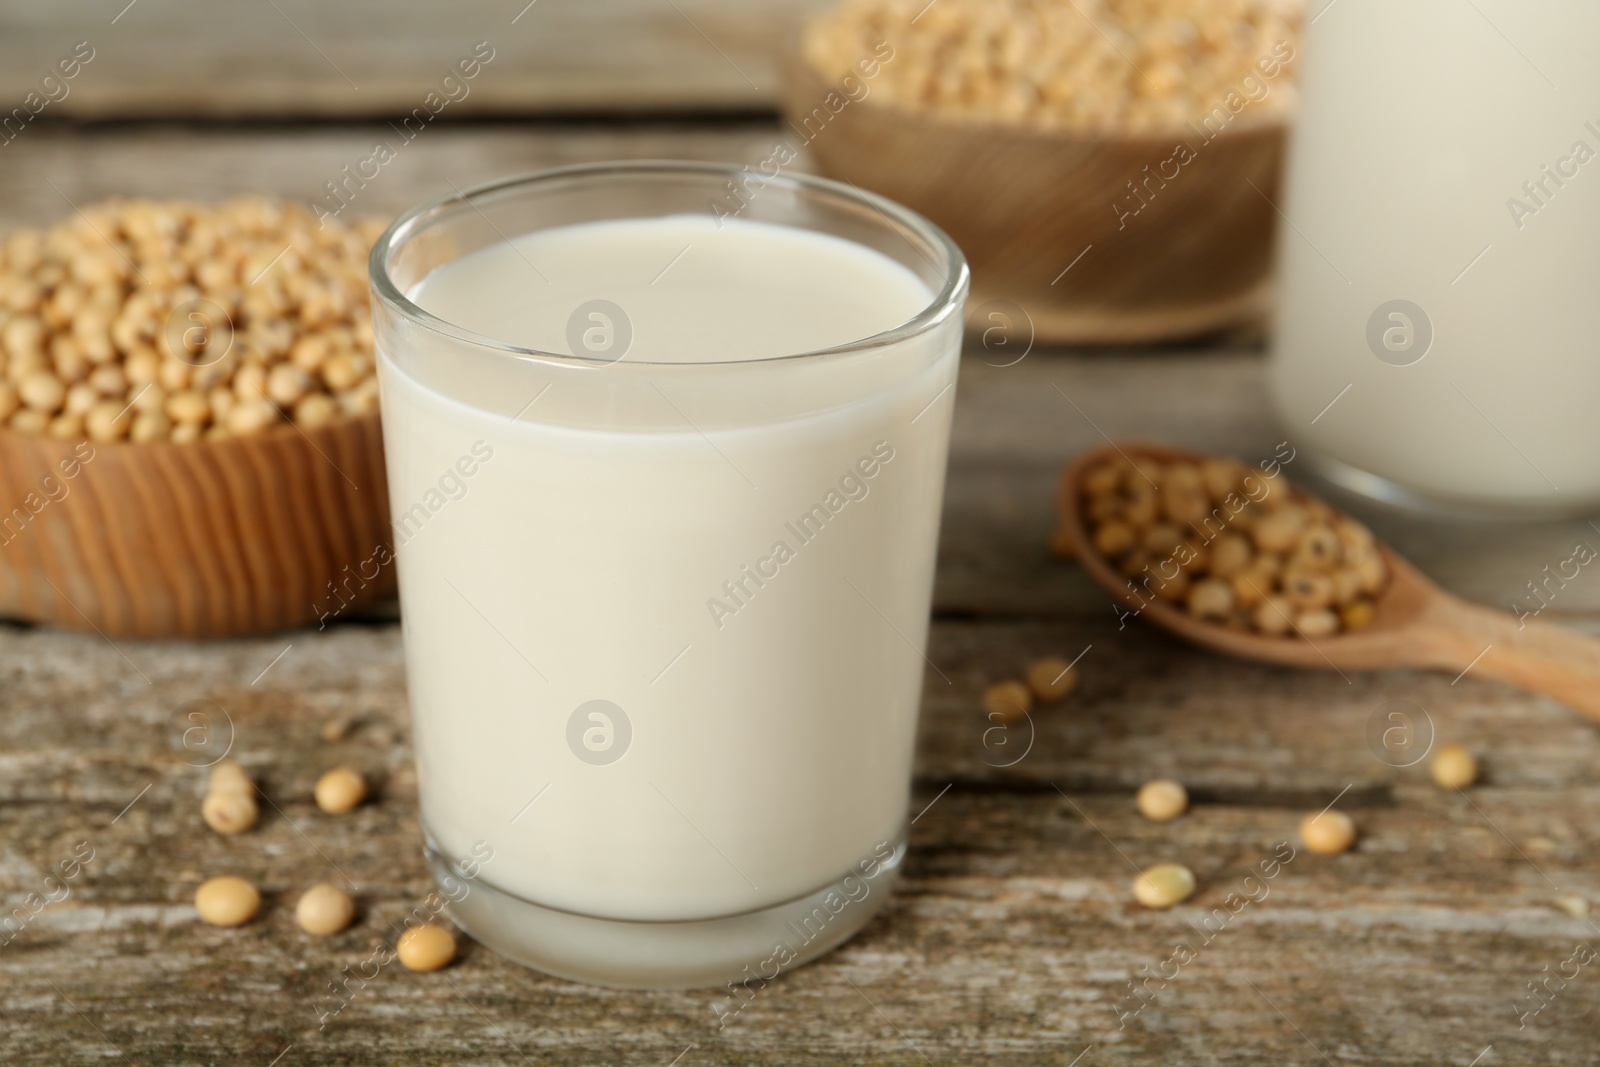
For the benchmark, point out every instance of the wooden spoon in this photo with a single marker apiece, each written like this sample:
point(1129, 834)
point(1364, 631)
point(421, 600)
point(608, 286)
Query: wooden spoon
point(1415, 623)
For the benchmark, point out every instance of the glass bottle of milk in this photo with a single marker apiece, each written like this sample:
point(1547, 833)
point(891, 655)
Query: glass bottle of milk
point(1437, 329)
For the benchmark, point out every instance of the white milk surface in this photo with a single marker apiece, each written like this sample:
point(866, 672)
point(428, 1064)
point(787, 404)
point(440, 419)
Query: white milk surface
point(750, 588)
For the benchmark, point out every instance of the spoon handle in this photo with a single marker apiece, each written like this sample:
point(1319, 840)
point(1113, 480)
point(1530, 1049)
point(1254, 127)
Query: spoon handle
point(1539, 656)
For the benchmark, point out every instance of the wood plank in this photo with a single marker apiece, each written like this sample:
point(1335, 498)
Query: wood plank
point(1012, 937)
point(372, 57)
point(174, 160)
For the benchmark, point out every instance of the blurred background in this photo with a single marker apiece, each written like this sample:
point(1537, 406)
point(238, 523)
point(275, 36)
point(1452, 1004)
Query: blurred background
point(293, 59)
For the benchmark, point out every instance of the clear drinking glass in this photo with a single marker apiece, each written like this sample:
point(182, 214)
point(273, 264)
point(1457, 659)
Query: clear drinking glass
point(653, 748)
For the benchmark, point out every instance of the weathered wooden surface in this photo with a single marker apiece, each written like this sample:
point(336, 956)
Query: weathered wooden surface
point(1011, 939)
point(380, 57)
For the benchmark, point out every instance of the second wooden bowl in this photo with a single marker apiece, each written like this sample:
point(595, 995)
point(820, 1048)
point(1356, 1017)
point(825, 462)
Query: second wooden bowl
point(1099, 238)
point(247, 535)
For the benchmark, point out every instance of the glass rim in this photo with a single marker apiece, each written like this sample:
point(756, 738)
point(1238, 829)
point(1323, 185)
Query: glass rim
point(938, 309)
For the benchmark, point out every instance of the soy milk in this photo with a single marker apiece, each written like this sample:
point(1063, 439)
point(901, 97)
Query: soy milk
point(664, 610)
point(1437, 321)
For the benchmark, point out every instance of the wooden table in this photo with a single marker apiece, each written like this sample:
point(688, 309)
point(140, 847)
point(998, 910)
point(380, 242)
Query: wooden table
point(1012, 938)
point(380, 57)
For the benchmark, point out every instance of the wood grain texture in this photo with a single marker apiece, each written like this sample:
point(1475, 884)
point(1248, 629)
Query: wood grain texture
point(377, 58)
point(215, 538)
point(1010, 941)
point(1051, 220)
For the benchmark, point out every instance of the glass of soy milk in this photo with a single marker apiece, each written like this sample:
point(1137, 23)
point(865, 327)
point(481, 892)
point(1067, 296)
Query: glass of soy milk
point(666, 447)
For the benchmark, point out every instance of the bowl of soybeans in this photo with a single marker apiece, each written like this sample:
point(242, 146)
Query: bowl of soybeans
point(189, 435)
point(1108, 169)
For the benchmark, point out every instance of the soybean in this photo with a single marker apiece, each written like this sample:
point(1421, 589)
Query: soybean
point(340, 790)
point(1269, 559)
point(152, 306)
point(227, 901)
point(230, 804)
point(1328, 833)
point(1162, 800)
point(426, 948)
point(324, 910)
point(1051, 679)
point(1453, 767)
point(1164, 885)
point(1138, 65)
point(1008, 700)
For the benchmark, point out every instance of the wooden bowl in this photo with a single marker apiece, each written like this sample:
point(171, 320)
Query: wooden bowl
point(240, 536)
point(1024, 204)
